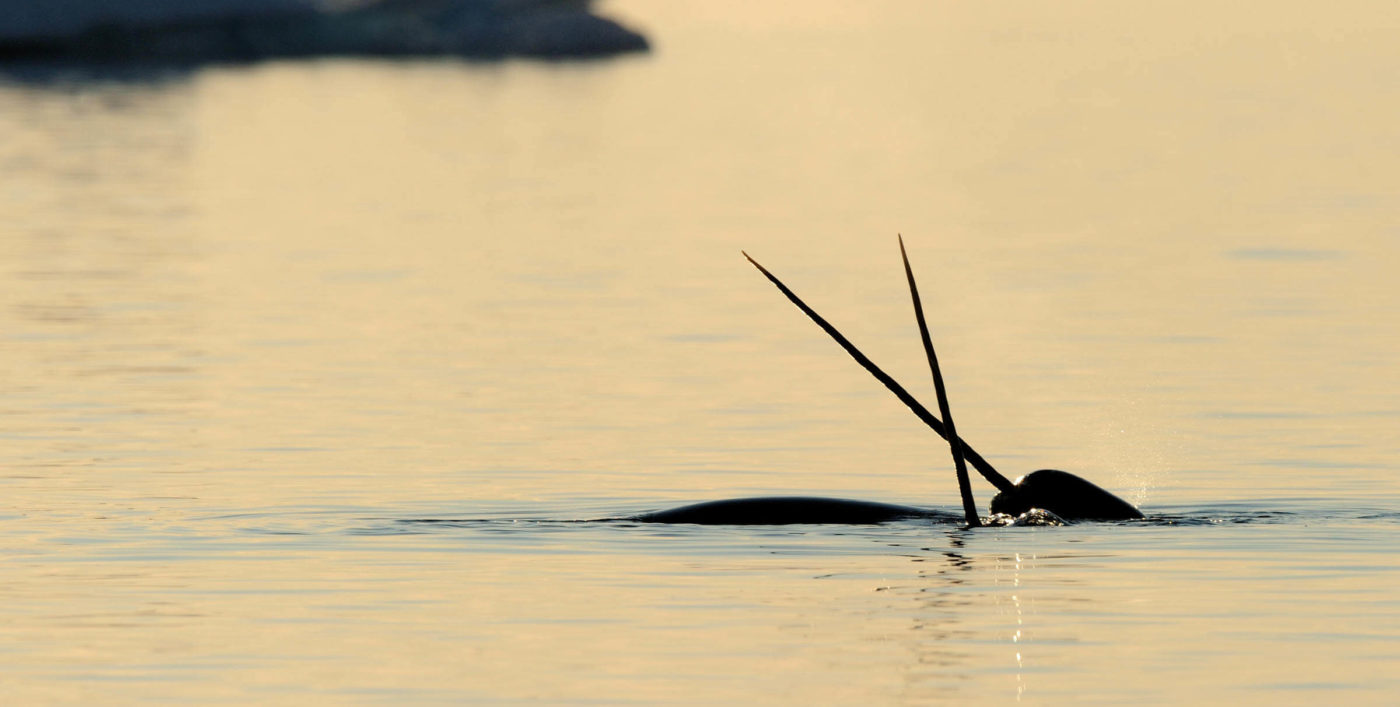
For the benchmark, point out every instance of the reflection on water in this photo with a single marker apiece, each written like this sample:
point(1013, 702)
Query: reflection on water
point(256, 323)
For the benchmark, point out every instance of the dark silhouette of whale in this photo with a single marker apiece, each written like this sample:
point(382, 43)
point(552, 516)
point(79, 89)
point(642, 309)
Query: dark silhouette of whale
point(1044, 497)
point(786, 510)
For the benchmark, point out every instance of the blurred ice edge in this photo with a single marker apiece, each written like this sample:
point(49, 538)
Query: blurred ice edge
point(215, 30)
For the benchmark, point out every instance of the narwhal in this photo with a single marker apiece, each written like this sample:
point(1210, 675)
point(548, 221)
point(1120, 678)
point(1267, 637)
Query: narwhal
point(1047, 496)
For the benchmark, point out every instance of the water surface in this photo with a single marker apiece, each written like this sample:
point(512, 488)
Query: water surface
point(256, 322)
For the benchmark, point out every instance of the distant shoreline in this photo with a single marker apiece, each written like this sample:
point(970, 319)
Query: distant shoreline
point(221, 31)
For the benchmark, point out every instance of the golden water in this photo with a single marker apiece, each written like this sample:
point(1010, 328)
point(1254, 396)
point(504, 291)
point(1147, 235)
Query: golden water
point(257, 321)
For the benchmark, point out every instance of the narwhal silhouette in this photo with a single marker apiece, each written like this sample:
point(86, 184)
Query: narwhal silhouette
point(1045, 496)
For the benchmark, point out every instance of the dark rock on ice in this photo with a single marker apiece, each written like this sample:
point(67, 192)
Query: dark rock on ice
point(194, 31)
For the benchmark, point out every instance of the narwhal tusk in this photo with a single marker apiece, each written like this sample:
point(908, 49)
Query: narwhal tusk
point(964, 486)
point(978, 463)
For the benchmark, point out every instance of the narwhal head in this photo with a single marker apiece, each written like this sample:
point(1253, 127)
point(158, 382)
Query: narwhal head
point(1064, 494)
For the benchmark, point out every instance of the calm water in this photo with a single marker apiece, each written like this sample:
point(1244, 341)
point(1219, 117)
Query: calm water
point(257, 323)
